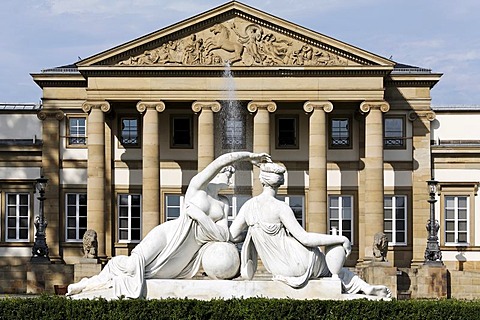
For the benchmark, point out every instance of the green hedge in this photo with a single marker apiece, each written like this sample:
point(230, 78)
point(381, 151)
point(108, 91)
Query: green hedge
point(56, 307)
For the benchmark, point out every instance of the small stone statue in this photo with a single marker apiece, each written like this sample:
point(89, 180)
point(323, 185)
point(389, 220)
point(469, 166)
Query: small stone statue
point(380, 246)
point(90, 244)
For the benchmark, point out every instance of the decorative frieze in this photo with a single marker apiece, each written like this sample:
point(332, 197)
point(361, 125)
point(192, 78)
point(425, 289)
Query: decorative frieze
point(239, 42)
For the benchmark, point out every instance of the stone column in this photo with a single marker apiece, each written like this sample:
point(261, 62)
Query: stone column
point(421, 173)
point(96, 170)
point(373, 172)
point(317, 166)
point(261, 134)
point(51, 170)
point(150, 164)
point(206, 132)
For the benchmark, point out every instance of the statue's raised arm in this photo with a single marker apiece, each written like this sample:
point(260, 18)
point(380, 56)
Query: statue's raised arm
point(201, 179)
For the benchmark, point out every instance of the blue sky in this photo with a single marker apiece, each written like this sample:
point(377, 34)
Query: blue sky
point(437, 34)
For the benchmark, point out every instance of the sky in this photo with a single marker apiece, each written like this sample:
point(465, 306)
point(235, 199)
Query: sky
point(440, 35)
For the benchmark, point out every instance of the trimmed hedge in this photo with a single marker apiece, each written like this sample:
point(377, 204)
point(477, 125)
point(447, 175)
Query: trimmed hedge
point(57, 307)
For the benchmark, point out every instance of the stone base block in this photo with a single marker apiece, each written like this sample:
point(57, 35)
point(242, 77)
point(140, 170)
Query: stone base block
point(431, 282)
point(86, 268)
point(379, 273)
point(227, 289)
point(322, 289)
point(43, 277)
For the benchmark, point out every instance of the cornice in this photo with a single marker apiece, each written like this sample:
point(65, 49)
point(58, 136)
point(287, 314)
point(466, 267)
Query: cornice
point(218, 72)
point(62, 83)
point(410, 83)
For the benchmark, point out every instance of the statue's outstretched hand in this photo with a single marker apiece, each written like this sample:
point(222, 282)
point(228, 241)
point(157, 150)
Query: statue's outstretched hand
point(257, 158)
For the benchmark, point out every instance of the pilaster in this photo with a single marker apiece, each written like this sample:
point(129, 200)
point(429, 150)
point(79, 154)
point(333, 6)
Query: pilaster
point(317, 165)
point(96, 217)
point(206, 150)
point(51, 170)
point(150, 164)
point(373, 175)
point(261, 134)
point(422, 172)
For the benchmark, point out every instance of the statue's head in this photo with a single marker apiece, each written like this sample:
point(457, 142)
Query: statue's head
point(90, 244)
point(271, 174)
point(222, 179)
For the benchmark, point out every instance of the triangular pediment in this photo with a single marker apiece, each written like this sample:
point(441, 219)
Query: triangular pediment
point(238, 34)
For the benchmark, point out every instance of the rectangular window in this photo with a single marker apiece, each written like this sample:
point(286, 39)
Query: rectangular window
point(129, 132)
point(181, 132)
point(456, 220)
point(234, 135)
point(340, 133)
point(340, 215)
point(395, 219)
point(394, 132)
point(173, 205)
point(287, 132)
point(77, 131)
point(296, 203)
point(129, 217)
point(76, 216)
point(17, 217)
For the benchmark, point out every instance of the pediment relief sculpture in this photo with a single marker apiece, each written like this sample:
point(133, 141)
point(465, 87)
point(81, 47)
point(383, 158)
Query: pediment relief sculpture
point(238, 42)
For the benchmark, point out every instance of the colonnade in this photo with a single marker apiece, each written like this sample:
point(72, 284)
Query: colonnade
point(370, 186)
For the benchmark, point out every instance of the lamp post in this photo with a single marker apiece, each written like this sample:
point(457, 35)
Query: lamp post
point(433, 255)
point(40, 248)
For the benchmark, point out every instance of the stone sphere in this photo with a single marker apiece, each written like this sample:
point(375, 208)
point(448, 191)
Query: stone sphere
point(221, 260)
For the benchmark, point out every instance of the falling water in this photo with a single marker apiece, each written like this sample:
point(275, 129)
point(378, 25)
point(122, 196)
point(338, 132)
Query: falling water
point(232, 124)
point(234, 137)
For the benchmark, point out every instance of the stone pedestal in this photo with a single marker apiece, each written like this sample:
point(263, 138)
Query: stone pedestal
point(42, 277)
point(323, 289)
point(86, 268)
point(431, 282)
point(379, 273)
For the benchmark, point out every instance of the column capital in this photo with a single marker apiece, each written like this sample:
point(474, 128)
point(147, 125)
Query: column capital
point(142, 106)
point(366, 106)
point(428, 114)
point(198, 106)
point(87, 106)
point(57, 114)
point(310, 106)
point(253, 106)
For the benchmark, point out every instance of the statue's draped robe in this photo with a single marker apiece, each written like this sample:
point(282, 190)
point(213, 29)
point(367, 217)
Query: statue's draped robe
point(284, 256)
point(127, 274)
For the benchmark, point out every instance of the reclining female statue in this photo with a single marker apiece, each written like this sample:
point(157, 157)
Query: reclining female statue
point(174, 249)
point(287, 251)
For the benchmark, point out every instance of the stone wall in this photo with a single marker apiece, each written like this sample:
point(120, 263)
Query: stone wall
point(13, 279)
point(463, 284)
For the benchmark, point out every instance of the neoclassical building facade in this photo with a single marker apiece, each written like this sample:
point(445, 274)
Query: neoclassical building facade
point(124, 130)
